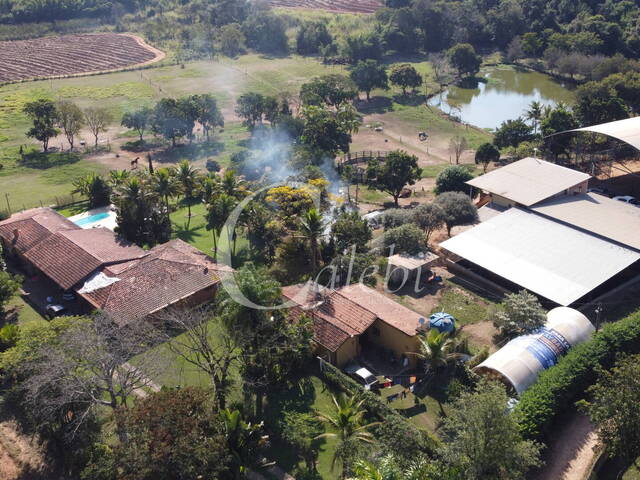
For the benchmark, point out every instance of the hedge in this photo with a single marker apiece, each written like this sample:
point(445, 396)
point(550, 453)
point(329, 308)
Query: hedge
point(559, 387)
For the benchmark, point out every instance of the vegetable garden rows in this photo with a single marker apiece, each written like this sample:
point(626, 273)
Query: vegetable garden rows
point(71, 54)
point(353, 6)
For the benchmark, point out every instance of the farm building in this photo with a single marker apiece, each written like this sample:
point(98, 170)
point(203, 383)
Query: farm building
point(407, 269)
point(353, 320)
point(520, 361)
point(102, 270)
point(566, 246)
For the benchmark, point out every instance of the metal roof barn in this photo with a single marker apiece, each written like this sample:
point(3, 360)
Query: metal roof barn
point(553, 260)
point(529, 181)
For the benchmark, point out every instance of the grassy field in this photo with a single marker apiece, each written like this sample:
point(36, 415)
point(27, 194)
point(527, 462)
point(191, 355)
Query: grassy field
point(29, 185)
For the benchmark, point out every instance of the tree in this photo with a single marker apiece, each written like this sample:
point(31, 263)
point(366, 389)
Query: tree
point(464, 59)
point(252, 107)
point(243, 442)
point(613, 408)
point(348, 428)
point(9, 286)
point(405, 76)
point(394, 173)
point(44, 115)
point(439, 349)
point(137, 120)
point(205, 345)
point(207, 112)
point(174, 434)
point(311, 37)
point(482, 438)
point(273, 347)
point(300, 431)
point(97, 119)
point(597, 103)
point(266, 32)
point(453, 178)
point(165, 186)
point(70, 120)
point(332, 90)
point(363, 46)
point(535, 115)
point(520, 313)
point(559, 119)
point(457, 209)
point(95, 188)
point(188, 177)
point(457, 146)
point(429, 217)
point(311, 228)
point(218, 210)
point(349, 230)
point(407, 238)
point(511, 133)
point(487, 153)
point(86, 367)
point(327, 131)
point(232, 40)
point(171, 120)
point(369, 74)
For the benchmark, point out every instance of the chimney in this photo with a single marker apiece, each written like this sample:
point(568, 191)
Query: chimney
point(16, 234)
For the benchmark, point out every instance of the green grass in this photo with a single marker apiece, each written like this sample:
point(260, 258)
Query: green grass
point(465, 306)
point(432, 171)
point(26, 313)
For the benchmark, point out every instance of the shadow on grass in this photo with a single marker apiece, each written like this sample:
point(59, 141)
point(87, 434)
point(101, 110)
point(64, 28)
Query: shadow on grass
point(43, 161)
point(140, 146)
point(410, 100)
point(190, 151)
point(375, 105)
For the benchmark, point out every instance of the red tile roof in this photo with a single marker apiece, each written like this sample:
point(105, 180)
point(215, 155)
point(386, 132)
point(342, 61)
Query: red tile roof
point(169, 273)
point(33, 226)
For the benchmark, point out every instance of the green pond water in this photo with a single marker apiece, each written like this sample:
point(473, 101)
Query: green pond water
point(505, 95)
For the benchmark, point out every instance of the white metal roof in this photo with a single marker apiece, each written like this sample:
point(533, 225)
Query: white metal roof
point(522, 359)
point(544, 256)
point(529, 180)
point(618, 221)
point(627, 130)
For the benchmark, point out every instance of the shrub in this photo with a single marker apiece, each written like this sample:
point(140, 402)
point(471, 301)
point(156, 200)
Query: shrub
point(212, 165)
point(395, 217)
point(562, 385)
point(406, 238)
point(453, 179)
point(521, 313)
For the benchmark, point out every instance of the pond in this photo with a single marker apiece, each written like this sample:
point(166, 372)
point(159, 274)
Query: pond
point(505, 95)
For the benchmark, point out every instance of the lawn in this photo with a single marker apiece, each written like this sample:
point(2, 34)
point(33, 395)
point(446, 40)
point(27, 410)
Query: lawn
point(464, 305)
point(26, 313)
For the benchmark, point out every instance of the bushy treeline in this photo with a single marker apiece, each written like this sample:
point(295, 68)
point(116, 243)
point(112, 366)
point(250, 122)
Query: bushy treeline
point(558, 388)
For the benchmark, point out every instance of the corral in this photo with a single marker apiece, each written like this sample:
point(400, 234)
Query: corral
point(351, 6)
point(70, 55)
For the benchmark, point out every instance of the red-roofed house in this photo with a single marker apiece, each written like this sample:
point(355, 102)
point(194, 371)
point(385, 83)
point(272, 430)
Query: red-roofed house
point(105, 271)
point(349, 318)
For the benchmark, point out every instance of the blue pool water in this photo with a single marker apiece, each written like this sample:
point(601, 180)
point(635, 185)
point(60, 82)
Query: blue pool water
point(92, 219)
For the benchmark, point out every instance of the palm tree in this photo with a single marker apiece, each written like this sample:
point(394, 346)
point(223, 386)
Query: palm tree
point(348, 427)
point(117, 178)
point(218, 210)
point(535, 114)
point(388, 469)
point(312, 227)
point(165, 186)
point(187, 176)
point(439, 349)
point(233, 185)
point(243, 439)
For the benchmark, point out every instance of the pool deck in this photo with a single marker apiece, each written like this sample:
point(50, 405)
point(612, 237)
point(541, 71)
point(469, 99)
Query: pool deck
point(108, 222)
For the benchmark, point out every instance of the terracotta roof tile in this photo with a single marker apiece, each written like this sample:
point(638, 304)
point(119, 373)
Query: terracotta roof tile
point(33, 226)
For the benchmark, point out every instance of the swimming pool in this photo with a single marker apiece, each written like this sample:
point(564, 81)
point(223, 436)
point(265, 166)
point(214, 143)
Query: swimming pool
point(83, 222)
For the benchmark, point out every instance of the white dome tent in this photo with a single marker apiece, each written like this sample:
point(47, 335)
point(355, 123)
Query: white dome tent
point(520, 361)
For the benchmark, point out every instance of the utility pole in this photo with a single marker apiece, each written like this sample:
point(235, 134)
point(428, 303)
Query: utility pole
point(598, 312)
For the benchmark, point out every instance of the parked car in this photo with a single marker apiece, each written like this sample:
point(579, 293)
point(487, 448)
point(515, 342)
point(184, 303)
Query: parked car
point(627, 199)
point(362, 376)
point(598, 190)
point(55, 310)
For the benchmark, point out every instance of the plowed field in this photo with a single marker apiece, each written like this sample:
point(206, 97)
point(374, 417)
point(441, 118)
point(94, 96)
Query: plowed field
point(72, 55)
point(352, 6)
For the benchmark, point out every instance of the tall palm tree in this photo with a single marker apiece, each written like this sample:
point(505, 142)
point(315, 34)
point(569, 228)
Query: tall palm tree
point(164, 185)
point(347, 425)
point(535, 114)
point(117, 178)
point(218, 210)
point(233, 185)
point(312, 227)
point(388, 469)
point(188, 178)
point(439, 349)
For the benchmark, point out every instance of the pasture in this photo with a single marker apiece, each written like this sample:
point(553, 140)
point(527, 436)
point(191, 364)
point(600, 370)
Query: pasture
point(349, 6)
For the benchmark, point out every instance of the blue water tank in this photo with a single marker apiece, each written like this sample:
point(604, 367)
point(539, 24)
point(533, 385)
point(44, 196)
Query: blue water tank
point(443, 322)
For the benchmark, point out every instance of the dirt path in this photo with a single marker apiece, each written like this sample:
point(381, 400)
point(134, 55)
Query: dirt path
point(571, 455)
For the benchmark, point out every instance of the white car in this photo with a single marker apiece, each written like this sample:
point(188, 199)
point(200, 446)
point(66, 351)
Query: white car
point(627, 199)
point(362, 376)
